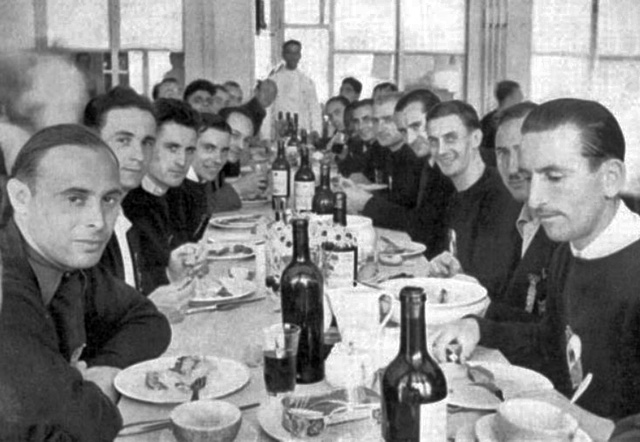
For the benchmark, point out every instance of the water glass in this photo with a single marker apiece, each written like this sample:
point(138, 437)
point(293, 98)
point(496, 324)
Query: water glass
point(280, 348)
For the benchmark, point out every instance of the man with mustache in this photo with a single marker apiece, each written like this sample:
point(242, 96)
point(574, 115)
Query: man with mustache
point(158, 209)
point(525, 296)
point(424, 223)
point(481, 213)
point(573, 151)
point(67, 326)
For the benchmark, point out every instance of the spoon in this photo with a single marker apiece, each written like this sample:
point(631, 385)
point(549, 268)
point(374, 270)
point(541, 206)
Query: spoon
point(582, 388)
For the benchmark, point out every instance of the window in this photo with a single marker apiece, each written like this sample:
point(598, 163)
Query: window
point(591, 49)
point(148, 30)
point(414, 43)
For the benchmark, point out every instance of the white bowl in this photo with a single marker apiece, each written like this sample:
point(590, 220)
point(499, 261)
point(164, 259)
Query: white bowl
point(464, 298)
point(206, 421)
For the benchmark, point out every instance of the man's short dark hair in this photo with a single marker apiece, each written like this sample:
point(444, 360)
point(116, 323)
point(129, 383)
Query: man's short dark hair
point(338, 99)
point(227, 111)
point(463, 110)
point(424, 96)
point(214, 121)
point(385, 85)
point(171, 110)
point(505, 88)
point(120, 97)
point(362, 103)
point(25, 168)
point(355, 84)
point(156, 88)
point(199, 85)
point(601, 135)
point(516, 112)
point(291, 42)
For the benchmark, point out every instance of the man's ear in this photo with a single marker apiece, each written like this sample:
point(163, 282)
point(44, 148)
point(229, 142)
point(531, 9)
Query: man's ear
point(19, 195)
point(476, 138)
point(613, 174)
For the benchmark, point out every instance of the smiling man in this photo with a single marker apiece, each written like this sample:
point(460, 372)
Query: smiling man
point(161, 220)
point(68, 322)
point(206, 97)
point(574, 150)
point(482, 213)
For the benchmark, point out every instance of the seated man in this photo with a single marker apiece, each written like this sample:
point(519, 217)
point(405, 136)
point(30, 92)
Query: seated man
point(67, 326)
point(265, 94)
point(334, 110)
point(481, 213)
point(526, 294)
point(573, 150)
point(424, 223)
point(160, 213)
point(167, 88)
point(351, 88)
point(212, 151)
point(235, 93)
point(206, 97)
point(402, 167)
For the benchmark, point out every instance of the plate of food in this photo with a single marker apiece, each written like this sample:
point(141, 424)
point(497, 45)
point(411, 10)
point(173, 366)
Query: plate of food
point(312, 418)
point(211, 291)
point(485, 385)
point(236, 221)
point(227, 251)
point(168, 380)
point(388, 247)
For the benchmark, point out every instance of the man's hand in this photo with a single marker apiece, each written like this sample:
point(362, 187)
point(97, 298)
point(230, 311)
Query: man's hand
point(459, 338)
point(250, 184)
point(182, 261)
point(359, 178)
point(445, 265)
point(176, 294)
point(102, 376)
point(356, 197)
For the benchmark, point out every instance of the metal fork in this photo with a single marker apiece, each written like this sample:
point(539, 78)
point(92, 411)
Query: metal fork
point(197, 385)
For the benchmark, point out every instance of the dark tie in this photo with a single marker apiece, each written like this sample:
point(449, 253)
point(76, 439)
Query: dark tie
point(112, 257)
point(67, 310)
point(424, 178)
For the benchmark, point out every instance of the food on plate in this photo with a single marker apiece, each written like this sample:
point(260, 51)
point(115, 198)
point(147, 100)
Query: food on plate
point(237, 249)
point(443, 296)
point(390, 259)
point(180, 377)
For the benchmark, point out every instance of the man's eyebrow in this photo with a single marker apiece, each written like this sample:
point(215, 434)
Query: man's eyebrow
point(210, 146)
point(149, 138)
point(124, 132)
point(171, 144)
point(116, 191)
point(75, 191)
point(551, 168)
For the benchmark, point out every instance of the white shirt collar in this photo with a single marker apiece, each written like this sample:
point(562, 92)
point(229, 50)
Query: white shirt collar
point(527, 226)
point(150, 186)
point(623, 230)
point(192, 176)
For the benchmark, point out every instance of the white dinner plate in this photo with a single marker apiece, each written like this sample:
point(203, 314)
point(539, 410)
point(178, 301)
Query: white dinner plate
point(485, 431)
point(247, 252)
point(270, 419)
point(511, 379)
point(238, 288)
point(228, 377)
point(236, 221)
point(411, 249)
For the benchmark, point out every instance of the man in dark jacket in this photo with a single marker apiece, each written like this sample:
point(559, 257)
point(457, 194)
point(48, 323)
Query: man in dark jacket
point(67, 326)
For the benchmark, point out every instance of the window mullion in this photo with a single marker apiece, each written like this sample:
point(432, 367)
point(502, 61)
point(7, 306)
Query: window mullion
point(398, 52)
point(593, 43)
point(114, 40)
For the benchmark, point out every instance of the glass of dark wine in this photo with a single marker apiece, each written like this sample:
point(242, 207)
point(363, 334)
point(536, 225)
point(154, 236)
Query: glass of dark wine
point(280, 349)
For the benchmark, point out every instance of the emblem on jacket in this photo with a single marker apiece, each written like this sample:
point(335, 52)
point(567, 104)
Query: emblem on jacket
point(574, 356)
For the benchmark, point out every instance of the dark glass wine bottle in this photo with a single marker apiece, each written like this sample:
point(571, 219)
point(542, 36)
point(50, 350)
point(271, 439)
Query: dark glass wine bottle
point(302, 304)
point(304, 183)
point(280, 177)
point(340, 250)
point(414, 389)
point(293, 131)
point(323, 199)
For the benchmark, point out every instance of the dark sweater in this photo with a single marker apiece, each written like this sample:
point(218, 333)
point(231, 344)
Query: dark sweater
point(43, 397)
point(356, 159)
point(598, 299)
point(530, 278)
point(404, 169)
point(425, 223)
point(484, 219)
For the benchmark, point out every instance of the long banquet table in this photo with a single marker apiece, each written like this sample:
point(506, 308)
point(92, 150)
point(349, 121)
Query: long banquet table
point(232, 333)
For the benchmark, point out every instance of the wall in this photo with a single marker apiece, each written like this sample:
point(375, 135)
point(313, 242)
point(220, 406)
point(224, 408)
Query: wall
point(219, 41)
point(17, 30)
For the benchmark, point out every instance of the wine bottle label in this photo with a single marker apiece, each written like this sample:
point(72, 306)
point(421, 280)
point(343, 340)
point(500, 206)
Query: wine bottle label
point(280, 183)
point(339, 267)
point(304, 191)
point(433, 421)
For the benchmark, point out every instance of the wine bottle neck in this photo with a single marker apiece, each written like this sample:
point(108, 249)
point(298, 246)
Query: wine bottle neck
point(300, 242)
point(304, 157)
point(281, 151)
point(325, 177)
point(413, 336)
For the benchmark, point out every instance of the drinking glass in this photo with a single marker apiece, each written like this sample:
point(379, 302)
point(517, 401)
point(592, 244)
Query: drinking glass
point(280, 349)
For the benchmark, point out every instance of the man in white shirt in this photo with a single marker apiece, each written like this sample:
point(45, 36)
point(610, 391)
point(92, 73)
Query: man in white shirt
point(573, 152)
point(296, 91)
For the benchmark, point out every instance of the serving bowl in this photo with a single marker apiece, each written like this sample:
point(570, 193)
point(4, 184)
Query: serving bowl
point(206, 421)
